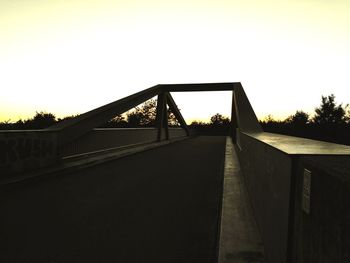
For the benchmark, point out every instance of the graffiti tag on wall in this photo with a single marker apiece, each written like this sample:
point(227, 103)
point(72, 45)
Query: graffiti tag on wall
point(16, 149)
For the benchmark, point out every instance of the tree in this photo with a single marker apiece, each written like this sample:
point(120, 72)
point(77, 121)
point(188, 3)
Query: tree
point(198, 123)
point(67, 118)
point(218, 119)
point(269, 119)
point(330, 113)
point(146, 113)
point(300, 118)
point(41, 120)
point(6, 125)
point(143, 115)
point(134, 119)
point(347, 117)
point(172, 121)
point(117, 122)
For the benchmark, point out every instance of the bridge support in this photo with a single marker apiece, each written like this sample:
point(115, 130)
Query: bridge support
point(67, 133)
point(234, 125)
point(162, 116)
point(164, 100)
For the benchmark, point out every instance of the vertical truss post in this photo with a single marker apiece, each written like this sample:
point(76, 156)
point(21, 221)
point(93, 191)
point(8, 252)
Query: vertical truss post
point(160, 115)
point(233, 118)
point(166, 117)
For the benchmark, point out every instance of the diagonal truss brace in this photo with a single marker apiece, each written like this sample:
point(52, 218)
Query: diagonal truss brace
point(72, 129)
point(176, 112)
point(163, 100)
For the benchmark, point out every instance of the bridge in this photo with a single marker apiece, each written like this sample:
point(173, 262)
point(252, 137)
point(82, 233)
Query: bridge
point(77, 193)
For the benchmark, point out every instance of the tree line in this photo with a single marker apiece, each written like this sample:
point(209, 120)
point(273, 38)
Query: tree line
point(330, 122)
point(143, 115)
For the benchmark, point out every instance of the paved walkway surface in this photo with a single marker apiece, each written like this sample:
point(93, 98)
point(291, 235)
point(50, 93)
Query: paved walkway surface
point(162, 205)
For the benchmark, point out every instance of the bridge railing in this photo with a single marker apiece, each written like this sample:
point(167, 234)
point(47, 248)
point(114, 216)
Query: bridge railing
point(295, 185)
point(297, 188)
point(111, 138)
point(68, 135)
point(27, 150)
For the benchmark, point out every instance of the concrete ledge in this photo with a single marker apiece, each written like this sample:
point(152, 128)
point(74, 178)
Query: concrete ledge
point(240, 240)
point(102, 138)
point(104, 152)
point(74, 164)
point(299, 146)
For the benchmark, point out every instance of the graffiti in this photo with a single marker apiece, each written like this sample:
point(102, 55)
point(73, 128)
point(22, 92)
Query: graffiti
point(21, 148)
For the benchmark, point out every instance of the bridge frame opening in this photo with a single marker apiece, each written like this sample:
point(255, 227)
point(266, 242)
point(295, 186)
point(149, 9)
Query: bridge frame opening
point(242, 114)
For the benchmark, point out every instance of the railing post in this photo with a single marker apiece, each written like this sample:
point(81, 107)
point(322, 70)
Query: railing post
point(166, 117)
point(233, 119)
point(160, 115)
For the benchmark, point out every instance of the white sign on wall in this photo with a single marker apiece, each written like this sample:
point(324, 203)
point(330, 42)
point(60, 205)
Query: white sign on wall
point(306, 191)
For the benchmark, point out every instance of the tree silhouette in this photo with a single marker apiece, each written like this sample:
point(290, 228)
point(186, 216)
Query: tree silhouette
point(300, 118)
point(67, 118)
point(218, 119)
point(347, 117)
point(134, 119)
point(197, 123)
point(118, 121)
point(41, 120)
point(269, 119)
point(218, 125)
point(331, 122)
point(172, 121)
point(329, 113)
point(145, 115)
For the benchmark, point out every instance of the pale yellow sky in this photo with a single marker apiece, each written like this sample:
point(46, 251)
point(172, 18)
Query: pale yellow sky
point(68, 57)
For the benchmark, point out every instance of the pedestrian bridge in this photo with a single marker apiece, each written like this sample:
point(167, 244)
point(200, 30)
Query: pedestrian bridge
point(77, 193)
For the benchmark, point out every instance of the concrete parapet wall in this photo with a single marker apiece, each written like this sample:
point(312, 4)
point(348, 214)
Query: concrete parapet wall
point(26, 150)
point(176, 132)
point(267, 172)
point(300, 220)
point(323, 234)
point(99, 139)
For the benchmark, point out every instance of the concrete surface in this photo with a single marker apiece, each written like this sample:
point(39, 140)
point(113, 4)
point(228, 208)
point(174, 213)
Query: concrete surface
point(323, 234)
point(273, 167)
point(268, 176)
point(26, 150)
point(300, 146)
point(156, 206)
point(240, 241)
point(77, 162)
point(103, 138)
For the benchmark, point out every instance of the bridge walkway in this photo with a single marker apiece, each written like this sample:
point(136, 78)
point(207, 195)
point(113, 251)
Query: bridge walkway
point(162, 205)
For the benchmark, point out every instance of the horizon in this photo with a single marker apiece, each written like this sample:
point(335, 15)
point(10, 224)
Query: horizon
point(71, 57)
point(188, 121)
point(206, 97)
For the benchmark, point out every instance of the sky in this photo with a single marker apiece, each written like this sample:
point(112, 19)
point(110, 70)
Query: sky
point(68, 57)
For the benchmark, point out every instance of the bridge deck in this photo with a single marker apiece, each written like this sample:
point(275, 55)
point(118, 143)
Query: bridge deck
point(161, 205)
